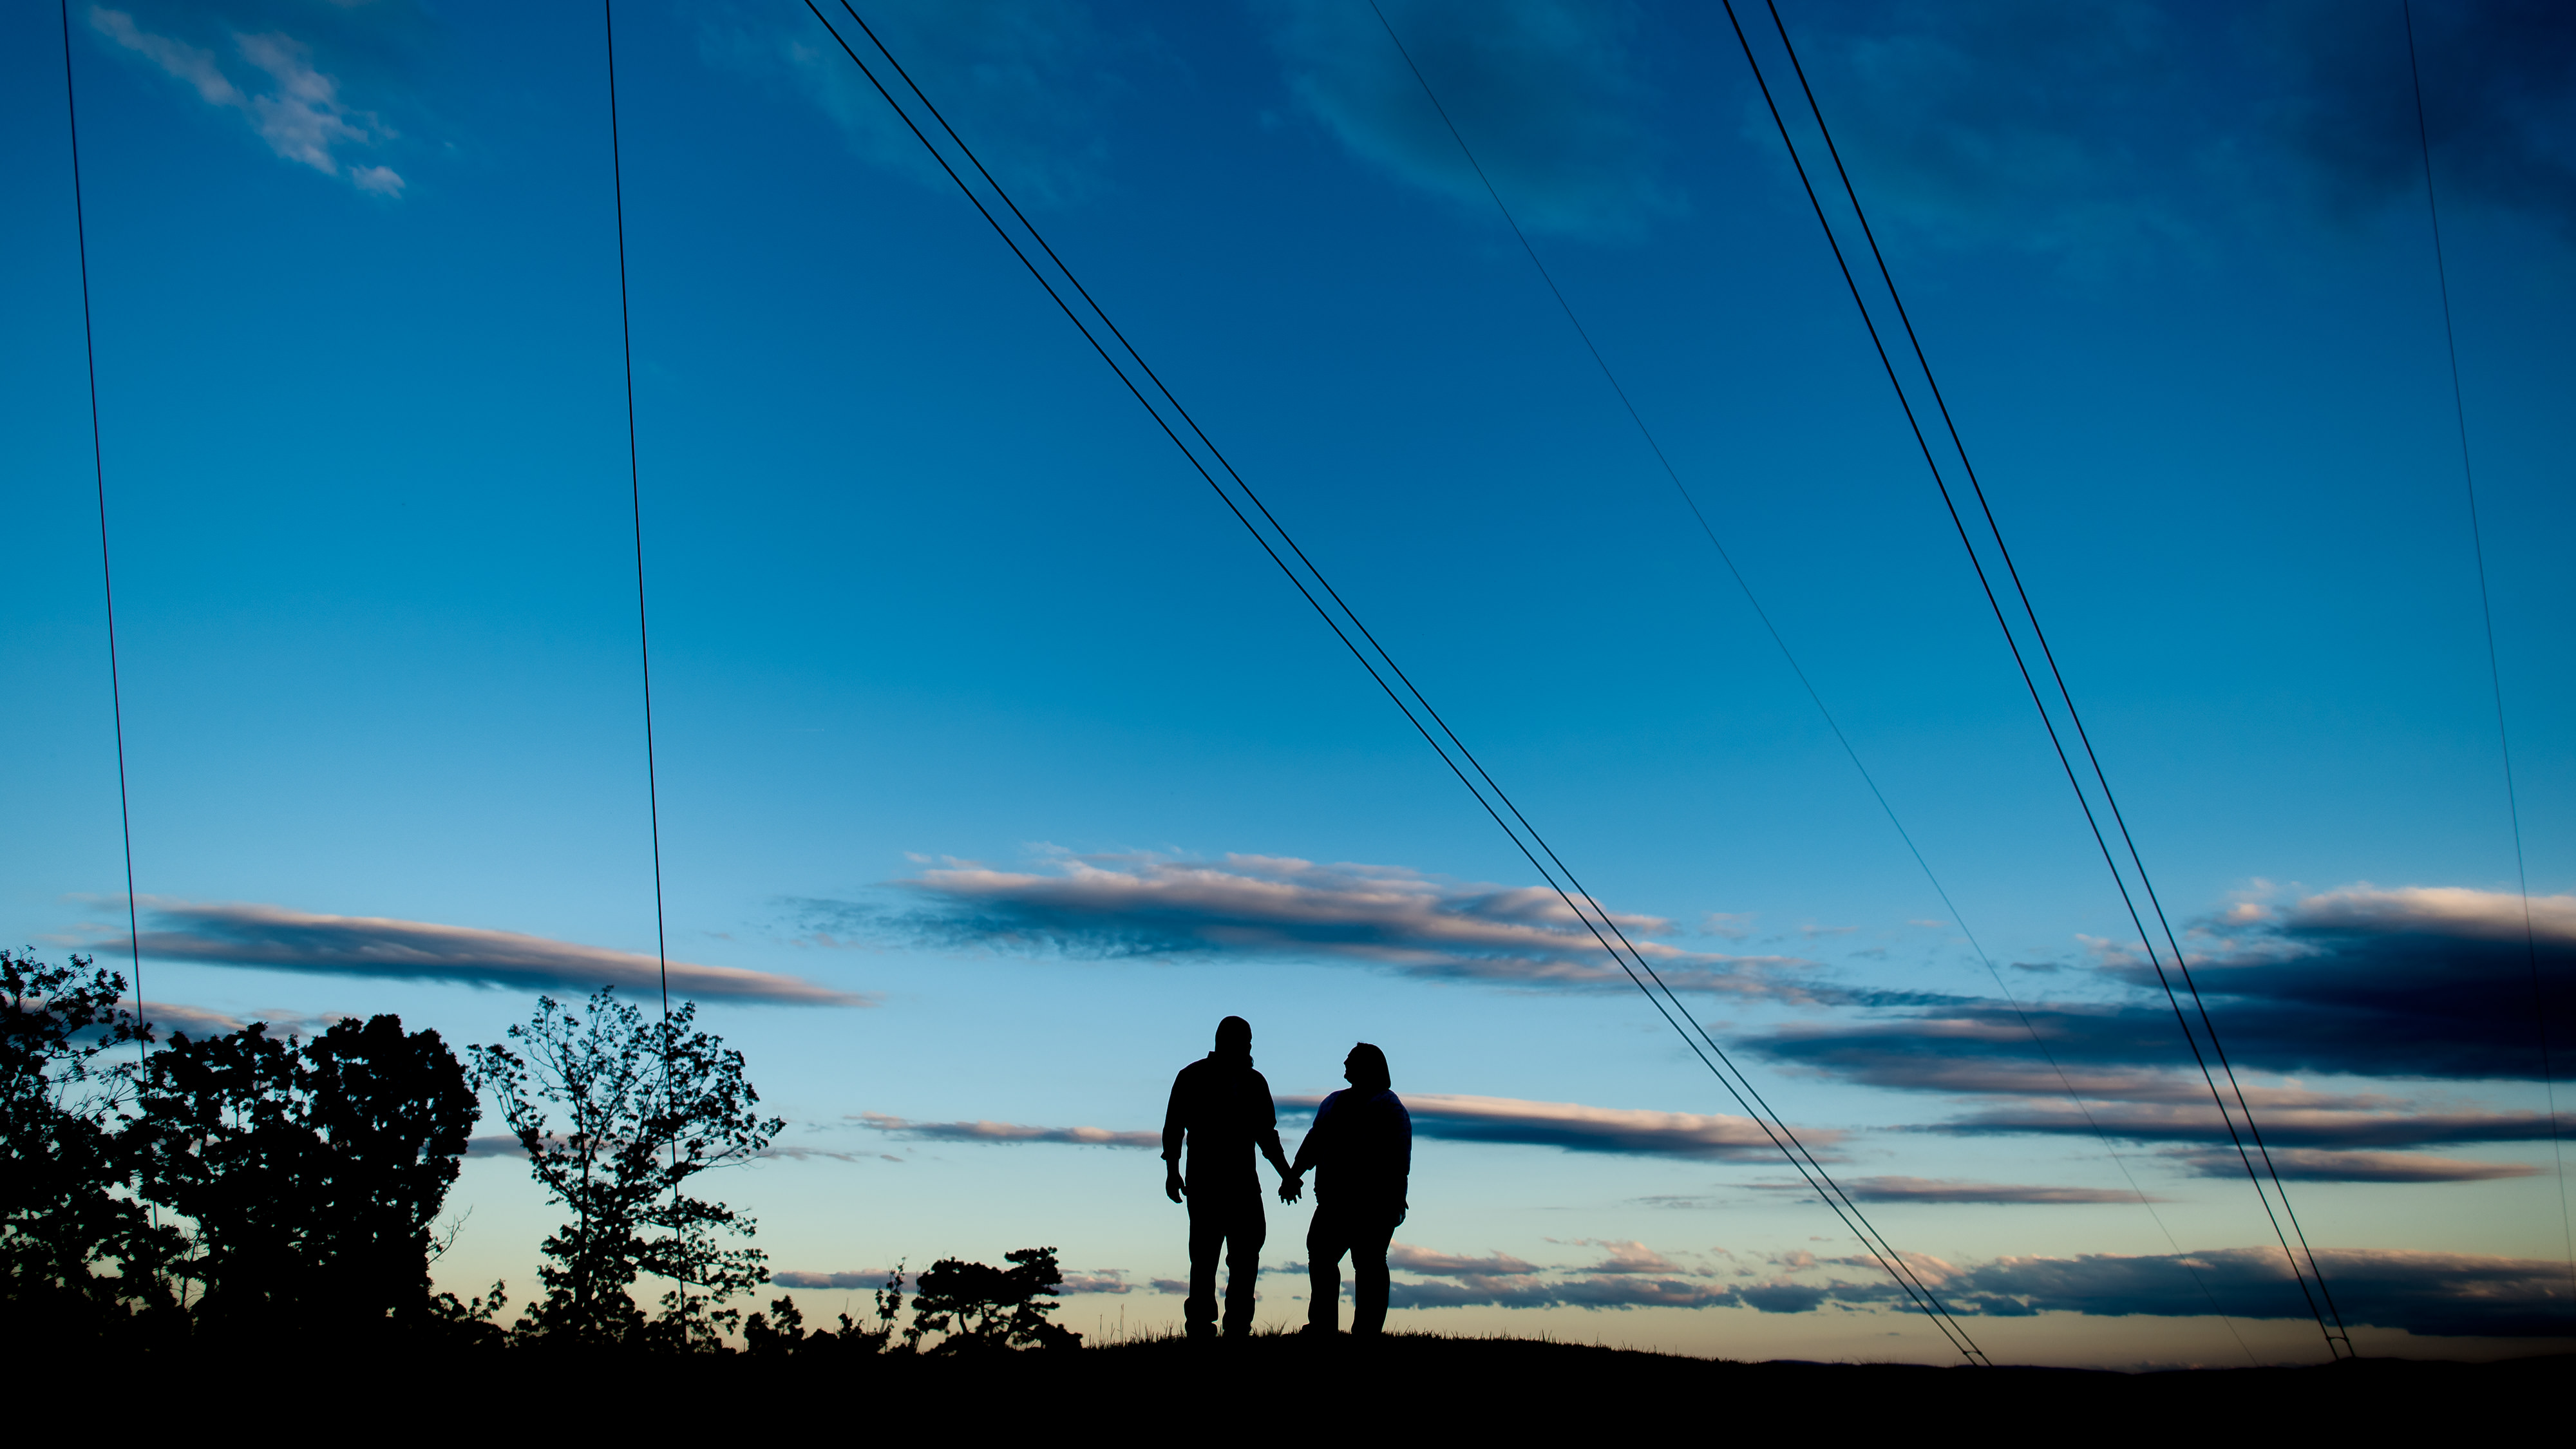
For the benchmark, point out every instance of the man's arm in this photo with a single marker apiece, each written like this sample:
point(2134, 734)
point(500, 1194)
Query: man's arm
point(1175, 1135)
point(1266, 1127)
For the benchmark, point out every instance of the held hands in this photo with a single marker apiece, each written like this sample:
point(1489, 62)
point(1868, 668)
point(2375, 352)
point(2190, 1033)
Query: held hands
point(1292, 1187)
point(1172, 1181)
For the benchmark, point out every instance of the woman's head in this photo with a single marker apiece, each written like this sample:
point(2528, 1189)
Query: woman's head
point(1365, 1068)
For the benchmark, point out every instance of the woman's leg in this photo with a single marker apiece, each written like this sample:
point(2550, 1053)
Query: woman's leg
point(1368, 1275)
point(1324, 1249)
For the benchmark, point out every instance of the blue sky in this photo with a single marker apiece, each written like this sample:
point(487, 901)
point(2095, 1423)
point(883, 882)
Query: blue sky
point(995, 750)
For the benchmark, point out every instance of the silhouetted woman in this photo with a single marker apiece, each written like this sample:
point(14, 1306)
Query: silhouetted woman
point(1363, 1141)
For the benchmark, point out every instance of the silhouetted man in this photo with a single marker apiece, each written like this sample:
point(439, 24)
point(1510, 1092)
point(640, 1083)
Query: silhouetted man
point(1221, 1107)
point(1363, 1139)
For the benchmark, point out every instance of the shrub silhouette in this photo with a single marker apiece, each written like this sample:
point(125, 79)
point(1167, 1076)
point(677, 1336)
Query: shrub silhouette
point(983, 1308)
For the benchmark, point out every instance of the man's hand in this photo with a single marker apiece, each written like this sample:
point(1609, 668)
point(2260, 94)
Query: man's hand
point(1292, 1187)
point(1172, 1187)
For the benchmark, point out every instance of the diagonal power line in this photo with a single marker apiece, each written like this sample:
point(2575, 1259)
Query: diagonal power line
point(2320, 1302)
point(1240, 499)
point(1789, 657)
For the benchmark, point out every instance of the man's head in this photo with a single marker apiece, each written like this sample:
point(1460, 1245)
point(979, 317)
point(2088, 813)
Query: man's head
point(1234, 1036)
point(1365, 1068)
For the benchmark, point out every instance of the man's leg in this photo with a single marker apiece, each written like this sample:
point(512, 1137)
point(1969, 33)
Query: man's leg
point(1324, 1249)
point(1245, 1230)
point(1368, 1273)
point(1207, 1240)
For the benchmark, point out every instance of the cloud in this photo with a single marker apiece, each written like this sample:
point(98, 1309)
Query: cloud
point(500, 1146)
point(1007, 1132)
point(1547, 92)
point(167, 1017)
point(2434, 1294)
point(2433, 983)
point(1947, 1190)
point(1107, 1280)
point(870, 1278)
point(243, 934)
point(1578, 1128)
point(2310, 1164)
point(2093, 130)
point(1028, 83)
point(1597, 1292)
point(1271, 907)
point(1630, 1256)
point(2499, 103)
point(274, 85)
point(1451, 1265)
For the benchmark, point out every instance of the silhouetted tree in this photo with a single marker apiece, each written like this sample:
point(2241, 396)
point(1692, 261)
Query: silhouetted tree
point(312, 1173)
point(67, 1211)
point(983, 1308)
point(616, 1114)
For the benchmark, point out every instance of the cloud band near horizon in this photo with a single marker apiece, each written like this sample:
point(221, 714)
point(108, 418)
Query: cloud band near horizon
point(249, 935)
point(1107, 907)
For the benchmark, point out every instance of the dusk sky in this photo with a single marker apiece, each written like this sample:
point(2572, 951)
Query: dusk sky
point(996, 762)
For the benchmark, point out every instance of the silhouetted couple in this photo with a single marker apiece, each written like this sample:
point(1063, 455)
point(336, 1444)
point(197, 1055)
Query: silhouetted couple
point(1362, 1145)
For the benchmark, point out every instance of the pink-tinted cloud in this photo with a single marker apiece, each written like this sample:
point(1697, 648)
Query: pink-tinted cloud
point(1006, 1132)
point(244, 934)
point(1253, 906)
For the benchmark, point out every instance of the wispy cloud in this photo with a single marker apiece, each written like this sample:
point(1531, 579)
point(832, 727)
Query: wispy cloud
point(2311, 1164)
point(863, 1278)
point(274, 937)
point(2094, 130)
point(1274, 907)
point(1029, 83)
point(1411, 1259)
point(1548, 92)
point(1575, 1127)
point(1949, 1190)
point(1006, 1132)
point(293, 106)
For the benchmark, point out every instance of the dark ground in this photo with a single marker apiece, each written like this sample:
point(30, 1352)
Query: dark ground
point(1270, 1389)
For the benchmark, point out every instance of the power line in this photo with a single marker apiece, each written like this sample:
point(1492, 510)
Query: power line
point(106, 573)
point(2486, 616)
point(1787, 656)
point(635, 496)
point(2335, 1334)
point(1382, 668)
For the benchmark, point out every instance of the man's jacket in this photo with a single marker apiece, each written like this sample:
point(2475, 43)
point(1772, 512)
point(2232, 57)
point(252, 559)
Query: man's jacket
point(1221, 1108)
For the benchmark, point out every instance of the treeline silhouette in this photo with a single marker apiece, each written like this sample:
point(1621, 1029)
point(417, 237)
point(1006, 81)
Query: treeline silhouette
point(242, 1188)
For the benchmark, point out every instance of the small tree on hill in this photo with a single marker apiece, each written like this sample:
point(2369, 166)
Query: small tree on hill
point(616, 1115)
point(984, 1308)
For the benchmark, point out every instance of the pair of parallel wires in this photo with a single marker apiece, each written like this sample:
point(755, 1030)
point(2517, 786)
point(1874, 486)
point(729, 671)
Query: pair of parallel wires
point(2486, 617)
point(2248, 1142)
point(1745, 587)
point(1239, 498)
